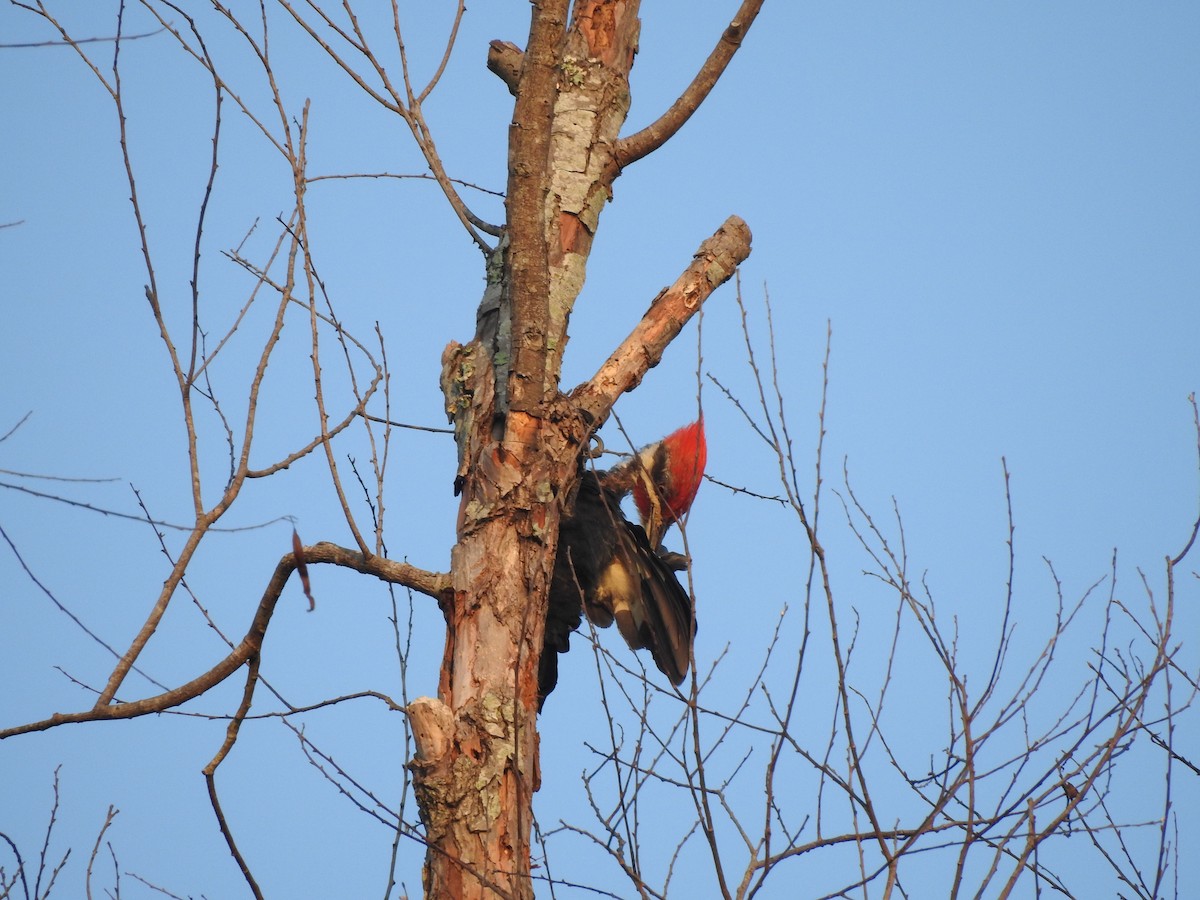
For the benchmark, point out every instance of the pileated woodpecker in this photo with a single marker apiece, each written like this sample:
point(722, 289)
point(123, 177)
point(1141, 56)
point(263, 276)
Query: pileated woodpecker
point(615, 570)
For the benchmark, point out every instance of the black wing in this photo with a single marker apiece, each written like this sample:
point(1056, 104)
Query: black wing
point(606, 567)
point(662, 621)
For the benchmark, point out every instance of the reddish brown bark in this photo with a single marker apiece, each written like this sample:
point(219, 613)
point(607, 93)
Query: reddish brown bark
point(476, 766)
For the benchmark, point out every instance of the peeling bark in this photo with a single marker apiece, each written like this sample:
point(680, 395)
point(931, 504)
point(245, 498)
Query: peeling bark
point(519, 438)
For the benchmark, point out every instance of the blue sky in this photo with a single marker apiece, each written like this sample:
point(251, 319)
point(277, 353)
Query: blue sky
point(995, 207)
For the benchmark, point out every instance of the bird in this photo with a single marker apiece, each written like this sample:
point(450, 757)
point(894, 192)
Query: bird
point(668, 475)
point(614, 570)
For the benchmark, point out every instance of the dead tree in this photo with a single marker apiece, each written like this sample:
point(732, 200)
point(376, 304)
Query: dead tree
point(520, 437)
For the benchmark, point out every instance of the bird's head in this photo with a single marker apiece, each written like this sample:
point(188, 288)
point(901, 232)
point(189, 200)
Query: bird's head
point(669, 475)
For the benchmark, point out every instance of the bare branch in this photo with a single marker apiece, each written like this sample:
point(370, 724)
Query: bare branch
point(715, 262)
point(72, 42)
point(21, 421)
point(435, 585)
point(505, 59)
point(210, 773)
point(653, 136)
point(108, 820)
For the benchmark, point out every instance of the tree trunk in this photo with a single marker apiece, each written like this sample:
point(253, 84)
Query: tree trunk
point(519, 440)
